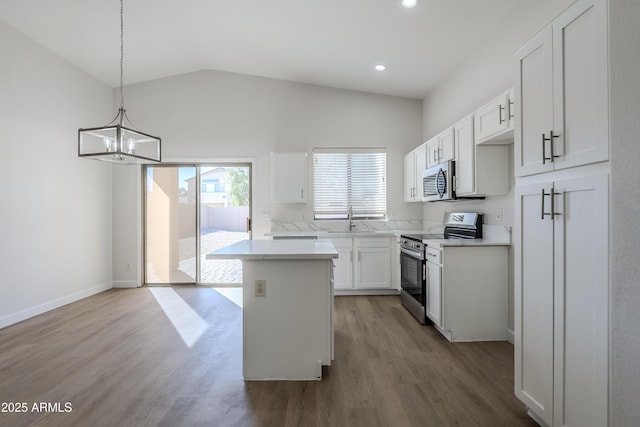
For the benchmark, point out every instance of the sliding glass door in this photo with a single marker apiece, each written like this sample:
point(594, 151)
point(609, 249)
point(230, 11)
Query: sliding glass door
point(191, 210)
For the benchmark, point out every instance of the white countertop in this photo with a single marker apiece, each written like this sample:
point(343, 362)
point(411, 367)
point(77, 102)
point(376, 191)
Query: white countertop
point(276, 249)
point(439, 243)
point(321, 234)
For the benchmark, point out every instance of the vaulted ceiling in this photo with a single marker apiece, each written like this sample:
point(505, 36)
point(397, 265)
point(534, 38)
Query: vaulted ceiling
point(333, 43)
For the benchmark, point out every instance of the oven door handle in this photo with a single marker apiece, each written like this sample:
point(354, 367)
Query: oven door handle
point(412, 253)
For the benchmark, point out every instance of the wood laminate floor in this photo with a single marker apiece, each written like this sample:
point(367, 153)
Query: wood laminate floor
point(115, 359)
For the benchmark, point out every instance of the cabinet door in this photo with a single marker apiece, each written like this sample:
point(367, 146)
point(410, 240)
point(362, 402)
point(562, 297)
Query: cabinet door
point(493, 119)
point(342, 272)
point(465, 156)
point(421, 165)
point(581, 302)
point(446, 146)
point(433, 152)
point(533, 292)
point(289, 177)
point(434, 293)
point(373, 263)
point(410, 177)
point(533, 104)
point(580, 85)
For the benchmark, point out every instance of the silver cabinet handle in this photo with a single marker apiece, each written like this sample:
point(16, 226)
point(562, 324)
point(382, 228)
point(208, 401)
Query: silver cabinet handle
point(553, 203)
point(552, 195)
point(542, 212)
point(544, 155)
point(500, 109)
point(511, 115)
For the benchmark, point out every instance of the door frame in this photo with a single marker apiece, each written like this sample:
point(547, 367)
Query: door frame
point(250, 163)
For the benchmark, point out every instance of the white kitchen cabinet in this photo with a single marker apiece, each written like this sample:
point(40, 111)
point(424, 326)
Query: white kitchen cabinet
point(364, 265)
point(434, 286)
point(467, 303)
point(561, 300)
point(289, 177)
point(414, 163)
point(342, 271)
point(373, 262)
point(494, 121)
point(481, 170)
point(561, 103)
point(440, 148)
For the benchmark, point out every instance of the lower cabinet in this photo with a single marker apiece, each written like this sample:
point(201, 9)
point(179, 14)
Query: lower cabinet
point(363, 264)
point(434, 287)
point(561, 300)
point(343, 271)
point(467, 291)
point(373, 262)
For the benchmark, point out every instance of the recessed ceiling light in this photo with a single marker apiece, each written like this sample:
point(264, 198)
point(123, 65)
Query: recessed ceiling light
point(380, 67)
point(408, 4)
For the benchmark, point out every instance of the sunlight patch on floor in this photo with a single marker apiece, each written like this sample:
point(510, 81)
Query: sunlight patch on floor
point(232, 294)
point(185, 320)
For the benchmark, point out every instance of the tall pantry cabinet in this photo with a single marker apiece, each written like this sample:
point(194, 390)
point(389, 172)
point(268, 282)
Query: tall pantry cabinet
point(561, 220)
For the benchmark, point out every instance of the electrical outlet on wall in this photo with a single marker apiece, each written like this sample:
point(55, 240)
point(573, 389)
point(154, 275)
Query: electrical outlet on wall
point(499, 215)
point(261, 288)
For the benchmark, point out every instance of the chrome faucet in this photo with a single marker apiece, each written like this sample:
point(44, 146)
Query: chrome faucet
point(352, 226)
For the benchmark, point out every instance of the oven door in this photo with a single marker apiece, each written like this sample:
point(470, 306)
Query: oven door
point(412, 275)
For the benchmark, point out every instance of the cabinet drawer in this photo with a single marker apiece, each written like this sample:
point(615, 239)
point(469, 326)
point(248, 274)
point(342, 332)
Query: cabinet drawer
point(433, 255)
point(373, 242)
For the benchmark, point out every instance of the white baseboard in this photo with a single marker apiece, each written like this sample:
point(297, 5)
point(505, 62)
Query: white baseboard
point(48, 306)
point(511, 337)
point(127, 284)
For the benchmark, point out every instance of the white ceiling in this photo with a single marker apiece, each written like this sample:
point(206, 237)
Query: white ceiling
point(332, 43)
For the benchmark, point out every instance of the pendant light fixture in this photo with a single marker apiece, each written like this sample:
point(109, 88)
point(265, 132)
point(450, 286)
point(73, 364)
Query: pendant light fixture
point(116, 142)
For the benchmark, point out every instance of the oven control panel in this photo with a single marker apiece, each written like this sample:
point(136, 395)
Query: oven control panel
point(409, 243)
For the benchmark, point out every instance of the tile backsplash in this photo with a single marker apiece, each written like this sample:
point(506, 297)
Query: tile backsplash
point(343, 225)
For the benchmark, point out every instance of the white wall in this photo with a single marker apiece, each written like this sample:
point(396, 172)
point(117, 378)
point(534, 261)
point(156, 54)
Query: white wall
point(219, 115)
point(55, 219)
point(625, 206)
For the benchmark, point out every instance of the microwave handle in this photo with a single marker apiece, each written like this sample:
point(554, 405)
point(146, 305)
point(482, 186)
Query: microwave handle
point(440, 172)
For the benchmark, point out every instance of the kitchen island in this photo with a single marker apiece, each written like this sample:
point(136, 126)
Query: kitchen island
point(287, 307)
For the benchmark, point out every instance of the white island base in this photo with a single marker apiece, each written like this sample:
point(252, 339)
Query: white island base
point(287, 307)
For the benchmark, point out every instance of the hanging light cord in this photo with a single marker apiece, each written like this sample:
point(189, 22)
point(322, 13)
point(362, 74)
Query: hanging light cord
point(122, 113)
point(122, 54)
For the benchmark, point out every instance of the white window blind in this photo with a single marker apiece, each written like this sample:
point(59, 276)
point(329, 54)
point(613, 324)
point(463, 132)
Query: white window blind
point(350, 180)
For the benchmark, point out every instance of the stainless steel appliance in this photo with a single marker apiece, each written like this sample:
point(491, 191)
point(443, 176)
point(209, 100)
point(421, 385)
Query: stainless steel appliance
point(438, 182)
point(413, 274)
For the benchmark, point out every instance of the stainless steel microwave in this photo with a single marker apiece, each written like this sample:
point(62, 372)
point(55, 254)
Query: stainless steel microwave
point(438, 182)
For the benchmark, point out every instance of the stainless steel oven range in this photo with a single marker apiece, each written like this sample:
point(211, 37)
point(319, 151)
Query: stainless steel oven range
point(413, 271)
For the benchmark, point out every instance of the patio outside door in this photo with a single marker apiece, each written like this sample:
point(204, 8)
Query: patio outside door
point(191, 210)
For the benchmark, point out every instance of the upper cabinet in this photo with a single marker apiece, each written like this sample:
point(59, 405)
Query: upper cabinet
point(465, 156)
point(289, 177)
point(480, 170)
point(561, 84)
point(440, 148)
point(414, 163)
point(494, 121)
